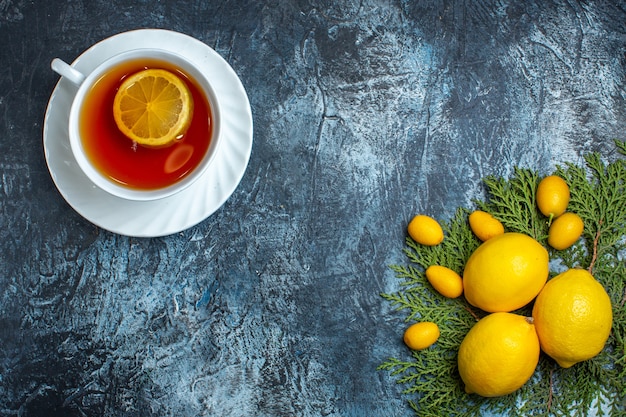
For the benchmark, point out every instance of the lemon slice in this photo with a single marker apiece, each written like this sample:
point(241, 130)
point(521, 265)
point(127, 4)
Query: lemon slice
point(153, 107)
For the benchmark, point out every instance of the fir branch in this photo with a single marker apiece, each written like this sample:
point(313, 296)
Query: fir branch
point(621, 148)
point(513, 202)
point(599, 198)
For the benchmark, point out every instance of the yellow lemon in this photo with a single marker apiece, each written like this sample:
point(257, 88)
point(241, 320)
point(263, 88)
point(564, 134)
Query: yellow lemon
point(153, 107)
point(552, 196)
point(425, 230)
point(565, 231)
point(498, 355)
point(505, 273)
point(419, 336)
point(573, 317)
point(484, 225)
point(447, 282)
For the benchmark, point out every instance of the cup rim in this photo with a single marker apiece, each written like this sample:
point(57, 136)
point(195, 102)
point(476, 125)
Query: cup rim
point(118, 190)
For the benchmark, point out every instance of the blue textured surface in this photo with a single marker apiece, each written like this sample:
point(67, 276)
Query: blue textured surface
point(365, 113)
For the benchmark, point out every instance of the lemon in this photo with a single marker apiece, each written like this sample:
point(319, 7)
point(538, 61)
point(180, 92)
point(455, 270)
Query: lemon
point(446, 281)
point(484, 225)
point(153, 107)
point(419, 336)
point(552, 196)
point(505, 273)
point(498, 355)
point(425, 230)
point(565, 231)
point(573, 317)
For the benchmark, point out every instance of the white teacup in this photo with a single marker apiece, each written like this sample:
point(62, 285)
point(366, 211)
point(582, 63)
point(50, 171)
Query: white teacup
point(86, 82)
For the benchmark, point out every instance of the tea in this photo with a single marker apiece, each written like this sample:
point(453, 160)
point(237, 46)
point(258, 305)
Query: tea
point(120, 159)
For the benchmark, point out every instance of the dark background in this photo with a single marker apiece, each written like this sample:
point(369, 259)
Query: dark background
point(365, 113)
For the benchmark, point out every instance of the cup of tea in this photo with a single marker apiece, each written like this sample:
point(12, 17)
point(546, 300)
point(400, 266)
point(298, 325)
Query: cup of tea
point(144, 124)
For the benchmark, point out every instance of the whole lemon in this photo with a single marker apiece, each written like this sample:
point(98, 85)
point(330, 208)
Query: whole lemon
point(573, 317)
point(552, 196)
point(425, 230)
point(505, 272)
point(421, 335)
point(484, 225)
point(498, 355)
point(565, 231)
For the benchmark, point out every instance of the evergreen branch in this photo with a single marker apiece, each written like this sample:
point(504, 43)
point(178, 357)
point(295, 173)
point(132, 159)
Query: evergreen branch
point(513, 202)
point(621, 147)
point(594, 253)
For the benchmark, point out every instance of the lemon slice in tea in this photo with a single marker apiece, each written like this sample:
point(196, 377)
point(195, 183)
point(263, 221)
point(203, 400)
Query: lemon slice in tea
point(153, 107)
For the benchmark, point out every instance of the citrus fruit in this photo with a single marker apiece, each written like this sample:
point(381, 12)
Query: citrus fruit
point(565, 231)
point(552, 196)
point(425, 230)
point(153, 107)
point(498, 355)
point(484, 225)
point(419, 336)
point(573, 317)
point(505, 273)
point(447, 282)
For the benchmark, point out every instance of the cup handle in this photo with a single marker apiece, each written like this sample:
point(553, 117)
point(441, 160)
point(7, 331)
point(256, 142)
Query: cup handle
point(67, 71)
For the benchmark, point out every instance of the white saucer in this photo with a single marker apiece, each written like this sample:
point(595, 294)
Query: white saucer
point(190, 206)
